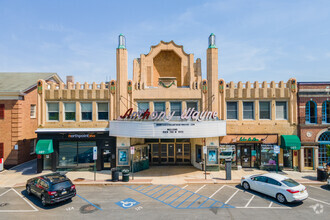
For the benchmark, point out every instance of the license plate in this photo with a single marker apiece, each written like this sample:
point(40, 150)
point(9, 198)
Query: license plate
point(64, 192)
point(302, 191)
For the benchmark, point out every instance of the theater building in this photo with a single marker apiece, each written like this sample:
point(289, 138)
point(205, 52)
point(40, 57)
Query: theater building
point(167, 112)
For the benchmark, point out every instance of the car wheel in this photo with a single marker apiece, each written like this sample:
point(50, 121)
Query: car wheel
point(246, 185)
point(43, 201)
point(28, 189)
point(280, 198)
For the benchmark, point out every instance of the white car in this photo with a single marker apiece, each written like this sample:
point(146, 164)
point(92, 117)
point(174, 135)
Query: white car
point(275, 185)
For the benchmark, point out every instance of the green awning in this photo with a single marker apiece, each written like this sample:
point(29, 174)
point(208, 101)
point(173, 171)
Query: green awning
point(44, 147)
point(290, 142)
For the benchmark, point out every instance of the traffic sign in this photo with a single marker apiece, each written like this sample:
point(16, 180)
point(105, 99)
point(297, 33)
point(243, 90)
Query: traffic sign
point(276, 149)
point(132, 150)
point(94, 153)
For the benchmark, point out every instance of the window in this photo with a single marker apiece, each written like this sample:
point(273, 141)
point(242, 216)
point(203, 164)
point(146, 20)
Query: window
point(281, 111)
point(198, 153)
point(311, 112)
point(33, 111)
point(2, 111)
point(1, 150)
point(143, 106)
point(32, 146)
point(273, 182)
point(69, 111)
point(53, 111)
point(176, 107)
point(232, 110)
point(102, 111)
point(264, 110)
point(326, 112)
point(159, 107)
point(86, 111)
point(260, 179)
point(43, 184)
point(192, 104)
point(290, 182)
point(248, 110)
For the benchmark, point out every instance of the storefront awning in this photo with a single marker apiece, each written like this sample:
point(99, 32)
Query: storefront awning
point(290, 142)
point(44, 147)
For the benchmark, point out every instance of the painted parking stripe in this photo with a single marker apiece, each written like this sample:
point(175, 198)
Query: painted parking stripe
point(232, 196)
point(194, 202)
point(317, 188)
point(12, 189)
point(270, 205)
point(158, 191)
point(25, 199)
point(145, 188)
point(247, 204)
point(173, 194)
point(200, 189)
point(319, 201)
point(184, 187)
point(5, 192)
point(166, 192)
point(89, 202)
point(178, 197)
point(217, 191)
point(152, 189)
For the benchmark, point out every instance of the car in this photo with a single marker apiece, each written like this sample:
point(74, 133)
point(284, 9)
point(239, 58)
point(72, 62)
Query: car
point(51, 188)
point(328, 182)
point(282, 188)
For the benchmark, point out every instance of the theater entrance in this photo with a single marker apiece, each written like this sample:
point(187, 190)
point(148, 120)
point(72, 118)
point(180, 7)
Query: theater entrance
point(169, 151)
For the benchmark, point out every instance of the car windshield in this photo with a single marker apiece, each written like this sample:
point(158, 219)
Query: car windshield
point(61, 185)
point(290, 182)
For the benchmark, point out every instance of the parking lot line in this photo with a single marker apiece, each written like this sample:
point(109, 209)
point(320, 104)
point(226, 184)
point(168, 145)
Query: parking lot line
point(217, 191)
point(319, 201)
point(166, 192)
point(247, 204)
point(25, 199)
point(184, 187)
point(178, 198)
point(231, 196)
point(200, 189)
point(158, 191)
point(270, 205)
point(89, 202)
point(317, 188)
point(185, 200)
point(194, 202)
point(5, 192)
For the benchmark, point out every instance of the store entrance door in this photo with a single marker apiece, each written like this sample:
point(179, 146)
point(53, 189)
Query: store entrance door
point(170, 153)
point(106, 158)
point(246, 156)
point(308, 156)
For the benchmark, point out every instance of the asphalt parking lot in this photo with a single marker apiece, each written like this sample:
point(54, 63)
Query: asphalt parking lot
point(165, 202)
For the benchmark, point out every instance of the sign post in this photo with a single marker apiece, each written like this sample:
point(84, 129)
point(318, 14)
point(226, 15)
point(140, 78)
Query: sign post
point(204, 152)
point(94, 158)
point(132, 153)
point(276, 151)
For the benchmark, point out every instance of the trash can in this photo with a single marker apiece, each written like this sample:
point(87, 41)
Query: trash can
point(322, 174)
point(115, 174)
point(125, 175)
point(228, 169)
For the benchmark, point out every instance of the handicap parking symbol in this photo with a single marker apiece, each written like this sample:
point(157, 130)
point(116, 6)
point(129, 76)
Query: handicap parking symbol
point(127, 203)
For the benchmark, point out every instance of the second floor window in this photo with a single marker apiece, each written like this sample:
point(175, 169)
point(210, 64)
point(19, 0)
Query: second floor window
point(232, 110)
point(53, 111)
point(143, 106)
point(86, 111)
point(2, 111)
point(159, 107)
point(326, 112)
point(311, 112)
point(176, 106)
point(264, 110)
point(33, 111)
point(70, 111)
point(248, 110)
point(103, 111)
point(281, 111)
point(192, 105)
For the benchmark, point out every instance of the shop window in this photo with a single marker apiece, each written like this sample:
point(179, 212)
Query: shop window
point(2, 111)
point(192, 105)
point(232, 110)
point(227, 152)
point(102, 111)
point(198, 153)
point(287, 158)
point(212, 156)
point(268, 158)
point(311, 112)
point(326, 112)
point(33, 111)
point(143, 106)
point(264, 110)
point(1, 150)
point(281, 111)
point(324, 147)
point(33, 146)
point(159, 107)
point(177, 108)
point(70, 111)
point(53, 111)
point(248, 110)
point(86, 111)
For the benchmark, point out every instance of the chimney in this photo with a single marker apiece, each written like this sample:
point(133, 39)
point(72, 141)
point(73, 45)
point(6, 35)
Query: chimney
point(69, 79)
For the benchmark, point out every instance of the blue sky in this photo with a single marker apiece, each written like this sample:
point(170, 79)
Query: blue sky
point(258, 40)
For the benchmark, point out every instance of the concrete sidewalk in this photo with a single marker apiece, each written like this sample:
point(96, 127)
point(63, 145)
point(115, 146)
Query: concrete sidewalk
point(17, 176)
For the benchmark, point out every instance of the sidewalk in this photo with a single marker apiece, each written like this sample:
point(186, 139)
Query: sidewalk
point(17, 176)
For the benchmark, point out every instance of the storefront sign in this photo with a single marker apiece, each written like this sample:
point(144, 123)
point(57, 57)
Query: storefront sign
point(187, 114)
point(276, 149)
point(123, 157)
point(81, 136)
point(249, 139)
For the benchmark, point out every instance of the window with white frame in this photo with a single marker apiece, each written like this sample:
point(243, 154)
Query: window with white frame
point(70, 111)
point(53, 111)
point(86, 111)
point(33, 111)
point(232, 110)
point(264, 110)
point(103, 111)
point(33, 146)
point(248, 110)
point(281, 111)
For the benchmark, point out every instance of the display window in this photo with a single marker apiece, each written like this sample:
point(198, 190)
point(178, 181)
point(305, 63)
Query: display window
point(268, 158)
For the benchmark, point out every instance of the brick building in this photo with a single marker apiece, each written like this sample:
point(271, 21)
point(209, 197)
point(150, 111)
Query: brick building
point(18, 115)
point(314, 123)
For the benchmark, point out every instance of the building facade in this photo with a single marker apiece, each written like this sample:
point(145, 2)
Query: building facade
point(314, 123)
point(168, 113)
point(18, 115)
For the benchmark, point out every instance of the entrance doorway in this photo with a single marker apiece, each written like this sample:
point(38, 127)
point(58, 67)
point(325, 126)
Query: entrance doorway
point(308, 157)
point(170, 153)
point(106, 158)
point(246, 156)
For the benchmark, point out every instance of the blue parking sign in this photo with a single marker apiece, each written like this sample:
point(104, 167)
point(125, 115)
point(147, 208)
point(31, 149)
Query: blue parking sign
point(127, 203)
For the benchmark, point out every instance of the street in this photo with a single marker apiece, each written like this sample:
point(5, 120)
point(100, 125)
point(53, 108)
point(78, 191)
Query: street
point(195, 201)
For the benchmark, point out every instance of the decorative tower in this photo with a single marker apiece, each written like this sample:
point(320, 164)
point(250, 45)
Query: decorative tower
point(122, 75)
point(212, 75)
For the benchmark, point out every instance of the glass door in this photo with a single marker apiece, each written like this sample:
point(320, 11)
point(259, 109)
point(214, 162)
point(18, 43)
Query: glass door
point(170, 150)
point(246, 156)
point(287, 158)
point(106, 158)
point(163, 153)
point(179, 153)
point(155, 153)
point(308, 156)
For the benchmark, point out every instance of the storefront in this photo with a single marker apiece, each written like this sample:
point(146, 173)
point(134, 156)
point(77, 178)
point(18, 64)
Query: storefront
point(73, 150)
point(290, 145)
